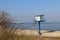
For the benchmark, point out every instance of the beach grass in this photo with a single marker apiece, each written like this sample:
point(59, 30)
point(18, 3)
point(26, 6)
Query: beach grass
point(24, 37)
point(10, 35)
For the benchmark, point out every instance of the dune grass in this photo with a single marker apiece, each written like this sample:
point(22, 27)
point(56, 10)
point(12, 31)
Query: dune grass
point(10, 35)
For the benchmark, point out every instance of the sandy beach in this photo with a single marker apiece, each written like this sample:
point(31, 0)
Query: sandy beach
point(52, 34)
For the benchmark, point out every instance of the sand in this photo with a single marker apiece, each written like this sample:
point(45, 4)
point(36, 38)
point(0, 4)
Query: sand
point(52, 34)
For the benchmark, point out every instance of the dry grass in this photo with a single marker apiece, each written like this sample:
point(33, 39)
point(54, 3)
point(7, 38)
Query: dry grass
point(29, 37)
point(10, 35)
point(7, 35)
point(24, 37)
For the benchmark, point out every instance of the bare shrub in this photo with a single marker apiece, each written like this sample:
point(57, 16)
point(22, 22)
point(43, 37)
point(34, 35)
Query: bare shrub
point(5, 32)
point(5, 20)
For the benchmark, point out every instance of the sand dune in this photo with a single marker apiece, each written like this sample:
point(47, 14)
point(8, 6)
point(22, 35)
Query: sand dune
point(34, 32)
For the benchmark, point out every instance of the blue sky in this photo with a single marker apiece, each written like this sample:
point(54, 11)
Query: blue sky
point(25, 10)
